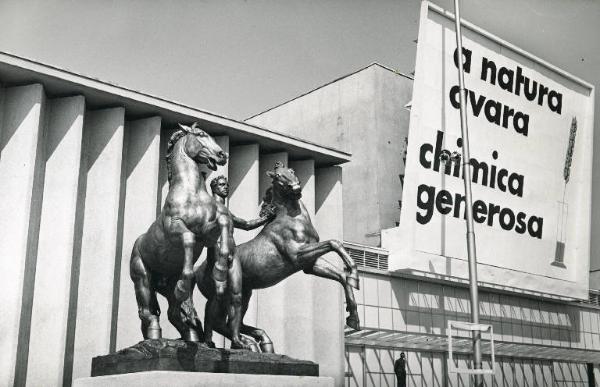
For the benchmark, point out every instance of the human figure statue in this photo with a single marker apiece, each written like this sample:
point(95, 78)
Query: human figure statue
point(163, 257)
point(400, 370)
point(286, 245)
point(226, 272)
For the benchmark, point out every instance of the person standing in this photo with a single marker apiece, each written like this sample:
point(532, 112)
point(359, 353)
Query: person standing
point(400, 370)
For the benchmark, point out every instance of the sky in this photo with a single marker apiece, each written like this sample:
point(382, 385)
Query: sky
point(238, 58)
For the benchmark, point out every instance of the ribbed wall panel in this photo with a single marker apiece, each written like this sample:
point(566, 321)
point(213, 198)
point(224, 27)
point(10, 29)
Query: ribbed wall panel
point(299, 318)
point(244, 195)
point(199, 300)
point(141, 195)
point(21, 184)
point(56, 241)
point(103, 131)
point(328, 334)
point(265, 301)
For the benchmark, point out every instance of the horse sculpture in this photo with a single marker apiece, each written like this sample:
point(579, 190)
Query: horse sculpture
point(162, 259)
point(284, 246)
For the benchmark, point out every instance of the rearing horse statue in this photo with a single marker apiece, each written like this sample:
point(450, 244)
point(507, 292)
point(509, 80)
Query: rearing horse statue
point(286, 245)
point(162, 259)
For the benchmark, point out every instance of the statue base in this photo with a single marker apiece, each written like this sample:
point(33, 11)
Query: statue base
point(179, 355)
point(201, 379)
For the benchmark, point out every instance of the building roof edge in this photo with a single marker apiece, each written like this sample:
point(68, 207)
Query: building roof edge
point(329, 83)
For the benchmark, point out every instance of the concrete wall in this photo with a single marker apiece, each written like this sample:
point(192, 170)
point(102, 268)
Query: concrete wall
point(362, 114)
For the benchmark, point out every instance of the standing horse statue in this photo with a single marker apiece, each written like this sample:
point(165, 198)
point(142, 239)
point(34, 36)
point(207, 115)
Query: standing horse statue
point(284, 246)
point(162, 259)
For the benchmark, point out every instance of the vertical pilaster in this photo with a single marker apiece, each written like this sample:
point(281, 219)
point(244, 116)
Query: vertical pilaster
point(244, 195)
point(328, 333)
point(266, 308)
point(299, 288)
point(21, 153)
point(163, 182)
point(141, 193)
point(244, 186)
point(199, 300)
point(104, 148)
point(56, 238)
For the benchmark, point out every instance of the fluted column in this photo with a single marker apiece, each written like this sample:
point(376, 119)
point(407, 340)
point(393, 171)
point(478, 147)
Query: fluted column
point(299, 289)
point(141, 194)
point(56, 241)
point(244, 194)
point(21, 177)
point(266, 306)
point(104, 149)
point(328, 333)
point(199, 300)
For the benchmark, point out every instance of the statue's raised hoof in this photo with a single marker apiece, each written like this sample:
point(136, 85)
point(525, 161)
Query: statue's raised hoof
point(353, 322)
point(352, 280)
point(267, 347)
point(182, 290)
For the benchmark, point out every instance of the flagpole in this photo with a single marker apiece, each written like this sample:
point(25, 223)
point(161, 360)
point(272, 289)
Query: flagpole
point(472, 254)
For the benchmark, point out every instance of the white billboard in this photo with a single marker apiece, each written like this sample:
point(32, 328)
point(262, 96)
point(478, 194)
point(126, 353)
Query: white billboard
point(530, 131)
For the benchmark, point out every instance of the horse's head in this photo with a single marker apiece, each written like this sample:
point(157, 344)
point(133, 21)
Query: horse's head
point(285, 181)
point(202, 148)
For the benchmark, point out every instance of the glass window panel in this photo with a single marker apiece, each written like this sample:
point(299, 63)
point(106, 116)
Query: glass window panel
point(547, 371)
point(372, 380)
point(387, 359)
point(398, 323)
point(413, 363)
point(355, 365)
point(388, 380)
point(508, 373)
point(371, 317)
point(425, 321)
point(384, 290)
point(414, 380)
point(427, 369)
point(519, 376)
point(370, 288)
point(372, 361)
point(385, 318)
point(399, 293)
point(412, 321)
point(437, 363)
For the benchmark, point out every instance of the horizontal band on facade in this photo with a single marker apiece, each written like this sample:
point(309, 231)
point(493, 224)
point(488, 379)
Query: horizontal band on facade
point(17, 71)
point(462, 345)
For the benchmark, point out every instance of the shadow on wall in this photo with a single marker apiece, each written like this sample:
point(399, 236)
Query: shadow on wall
point(426, 308)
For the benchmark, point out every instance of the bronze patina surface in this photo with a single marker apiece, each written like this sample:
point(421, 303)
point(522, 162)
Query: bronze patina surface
point(226, 271)
point(286, 245)
point(179, 355)
point(162, 258)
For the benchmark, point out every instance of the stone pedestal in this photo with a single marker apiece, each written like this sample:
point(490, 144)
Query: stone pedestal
point(201, 379)
point(178, 355)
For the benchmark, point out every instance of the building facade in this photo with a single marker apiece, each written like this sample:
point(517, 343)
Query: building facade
point(82, 175)
point(539, 339)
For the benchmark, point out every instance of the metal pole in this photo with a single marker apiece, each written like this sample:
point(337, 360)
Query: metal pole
point(472, 254)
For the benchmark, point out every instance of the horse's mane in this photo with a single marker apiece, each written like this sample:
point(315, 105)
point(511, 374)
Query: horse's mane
point(267, 207)
point(182, 132)
point(172, 141)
